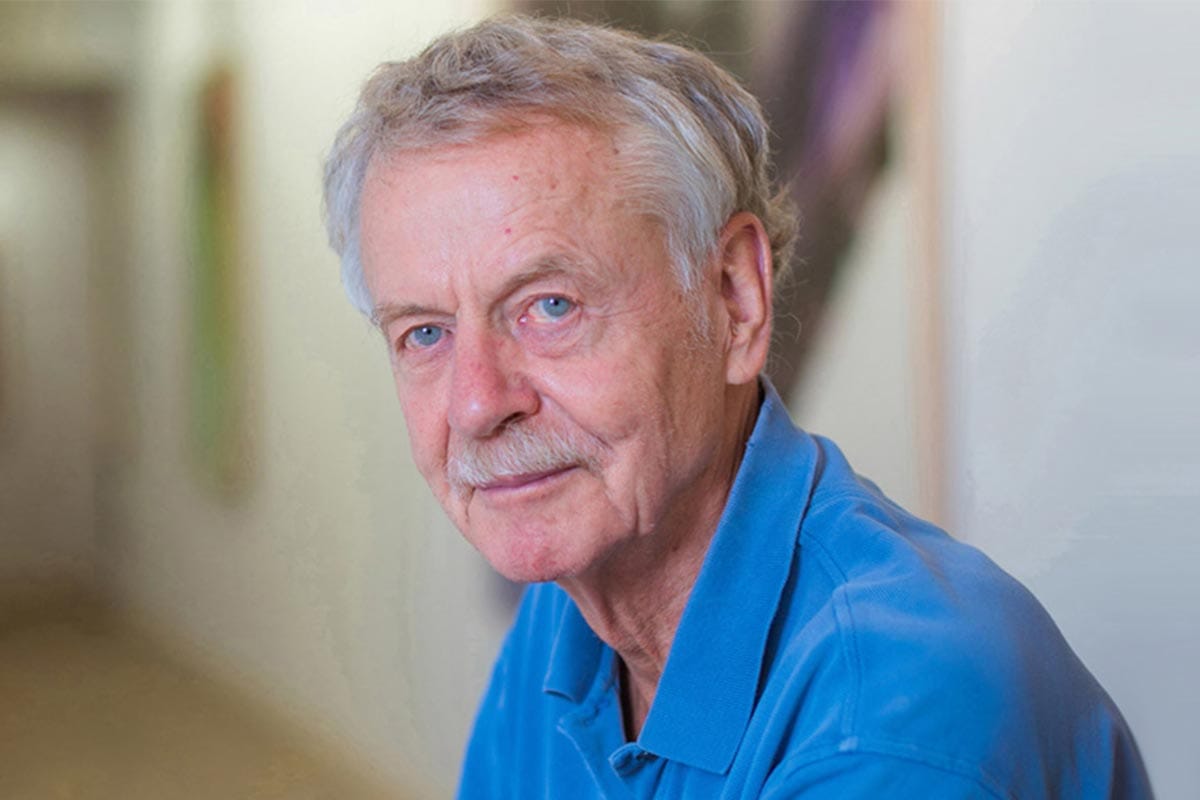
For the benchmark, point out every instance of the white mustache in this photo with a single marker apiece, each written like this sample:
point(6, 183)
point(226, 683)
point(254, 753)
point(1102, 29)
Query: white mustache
point(517, 451)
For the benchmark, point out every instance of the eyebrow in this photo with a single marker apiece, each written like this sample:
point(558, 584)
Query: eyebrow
point(551, 266)
point(385, 313)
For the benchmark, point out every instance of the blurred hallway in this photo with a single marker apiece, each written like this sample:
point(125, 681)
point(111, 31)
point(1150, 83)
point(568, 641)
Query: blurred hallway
point(88, 712)
point(1017, 310)
point(180, 446)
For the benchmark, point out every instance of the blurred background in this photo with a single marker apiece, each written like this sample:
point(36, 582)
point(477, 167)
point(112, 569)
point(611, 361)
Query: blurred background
point(220, 576)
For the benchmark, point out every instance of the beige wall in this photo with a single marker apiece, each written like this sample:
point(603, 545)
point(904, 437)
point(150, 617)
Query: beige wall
point(47, 420)
point(333, 588)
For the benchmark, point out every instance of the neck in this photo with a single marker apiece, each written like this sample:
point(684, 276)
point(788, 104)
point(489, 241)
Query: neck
point(634, 603)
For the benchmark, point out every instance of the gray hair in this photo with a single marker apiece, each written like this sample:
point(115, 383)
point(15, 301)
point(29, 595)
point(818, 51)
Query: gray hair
point(694, 144)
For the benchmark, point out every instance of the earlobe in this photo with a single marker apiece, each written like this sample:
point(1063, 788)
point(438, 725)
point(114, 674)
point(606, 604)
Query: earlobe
point(746, 291)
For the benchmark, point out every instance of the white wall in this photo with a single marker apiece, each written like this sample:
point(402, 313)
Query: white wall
point(1073, 158)
point(334, 588)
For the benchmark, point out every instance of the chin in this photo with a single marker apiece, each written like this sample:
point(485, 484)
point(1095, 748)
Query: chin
point(524, 567)
point(526, 557)
point(546, 534)
point(525, 574)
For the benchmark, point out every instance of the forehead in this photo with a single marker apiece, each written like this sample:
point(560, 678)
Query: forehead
point(490, 204)
point(541, 154)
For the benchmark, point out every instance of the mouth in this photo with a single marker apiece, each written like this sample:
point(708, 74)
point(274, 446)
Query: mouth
point(504, 485)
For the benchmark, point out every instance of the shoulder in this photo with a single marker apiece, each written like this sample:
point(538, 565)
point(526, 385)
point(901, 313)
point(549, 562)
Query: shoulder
point(893, 578)
point(902, 642)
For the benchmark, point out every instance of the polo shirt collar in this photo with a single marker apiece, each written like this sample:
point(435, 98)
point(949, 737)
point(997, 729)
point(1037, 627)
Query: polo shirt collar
point(708, 687)
point(575, 657)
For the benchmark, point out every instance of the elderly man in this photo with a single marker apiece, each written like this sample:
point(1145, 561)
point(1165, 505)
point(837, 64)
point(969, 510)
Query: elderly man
point(567, 236)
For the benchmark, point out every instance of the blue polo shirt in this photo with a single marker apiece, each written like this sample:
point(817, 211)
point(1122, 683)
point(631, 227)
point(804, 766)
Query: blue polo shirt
point(833, 647)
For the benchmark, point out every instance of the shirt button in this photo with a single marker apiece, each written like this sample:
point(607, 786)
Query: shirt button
point(629, 759)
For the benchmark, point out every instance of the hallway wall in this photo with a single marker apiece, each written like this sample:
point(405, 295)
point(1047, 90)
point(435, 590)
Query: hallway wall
point(330, 583)
point(47, 396)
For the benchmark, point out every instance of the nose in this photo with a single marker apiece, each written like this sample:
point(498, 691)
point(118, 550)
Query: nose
point(488, 390)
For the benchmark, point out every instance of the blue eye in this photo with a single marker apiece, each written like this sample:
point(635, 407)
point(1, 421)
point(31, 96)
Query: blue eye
point(554, 307)
point(423, 336)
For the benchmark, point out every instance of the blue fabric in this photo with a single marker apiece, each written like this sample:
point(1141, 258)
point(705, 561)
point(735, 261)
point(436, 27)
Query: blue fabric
point(833, 647)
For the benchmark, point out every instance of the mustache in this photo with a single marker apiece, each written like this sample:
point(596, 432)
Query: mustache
point(518, 450)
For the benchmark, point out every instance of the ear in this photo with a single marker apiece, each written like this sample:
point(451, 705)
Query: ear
point(746, 292)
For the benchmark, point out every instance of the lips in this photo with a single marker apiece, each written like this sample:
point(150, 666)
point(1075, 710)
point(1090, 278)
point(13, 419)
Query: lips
point(503, 483)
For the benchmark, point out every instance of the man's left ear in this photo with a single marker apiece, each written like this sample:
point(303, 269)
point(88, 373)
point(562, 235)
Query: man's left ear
point(746, 292)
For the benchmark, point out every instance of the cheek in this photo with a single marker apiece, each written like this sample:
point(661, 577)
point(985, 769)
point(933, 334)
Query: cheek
point(599, 399)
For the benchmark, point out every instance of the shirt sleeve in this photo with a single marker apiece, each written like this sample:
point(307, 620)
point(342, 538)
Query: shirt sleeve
point(854, 775)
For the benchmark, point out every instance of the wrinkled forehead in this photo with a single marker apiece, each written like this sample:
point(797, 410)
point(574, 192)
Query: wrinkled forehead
point(557, 155)
point(544, 194)
point(542, 156)
point(545, 173)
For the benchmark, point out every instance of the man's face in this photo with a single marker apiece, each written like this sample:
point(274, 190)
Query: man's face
point(559, 399)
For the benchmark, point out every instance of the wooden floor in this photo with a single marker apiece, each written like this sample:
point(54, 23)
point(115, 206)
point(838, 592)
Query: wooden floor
point(87, 714)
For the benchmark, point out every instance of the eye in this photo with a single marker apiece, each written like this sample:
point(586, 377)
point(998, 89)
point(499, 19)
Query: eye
point(423, 336)
point(551, 308)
